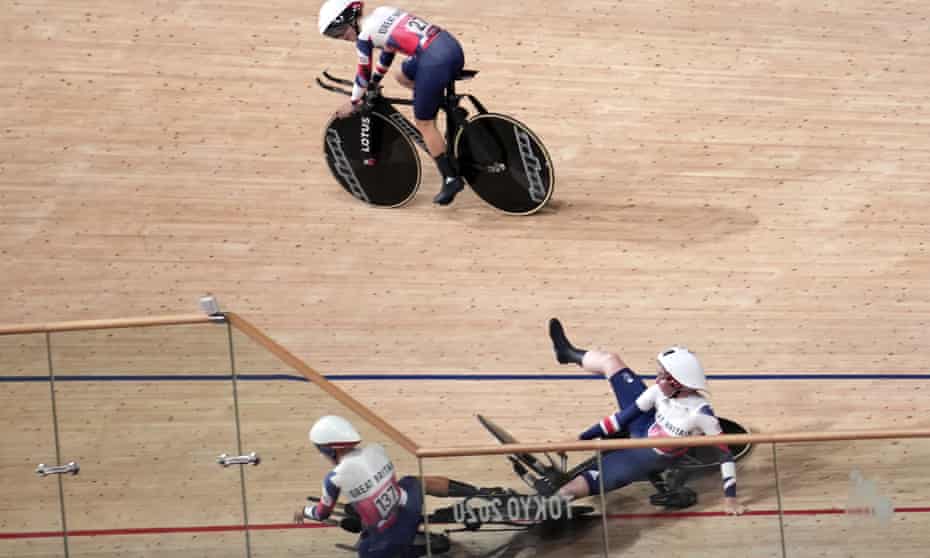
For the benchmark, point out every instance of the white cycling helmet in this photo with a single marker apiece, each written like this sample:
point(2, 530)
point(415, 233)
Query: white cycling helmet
point(331, 433)
point(337, 15)
point(684, 366)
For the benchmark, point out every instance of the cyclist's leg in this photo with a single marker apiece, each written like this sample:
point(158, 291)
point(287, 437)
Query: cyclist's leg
point(620, 468)
point(436, 68)
point(408, 72)
point(398, 539)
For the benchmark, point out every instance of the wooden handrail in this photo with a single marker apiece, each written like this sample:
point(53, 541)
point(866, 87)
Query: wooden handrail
point(691, 441)
point(149, 321)
point(312, 375)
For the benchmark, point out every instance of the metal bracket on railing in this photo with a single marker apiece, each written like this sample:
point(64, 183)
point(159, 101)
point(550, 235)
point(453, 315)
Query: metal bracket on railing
point(211, 308)
point(251, 459)
point(217, 318)
point(44, 470)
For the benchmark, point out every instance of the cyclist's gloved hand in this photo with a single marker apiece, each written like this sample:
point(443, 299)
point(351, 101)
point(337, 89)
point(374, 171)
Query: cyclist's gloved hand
point(371, 94)
point(351, 524)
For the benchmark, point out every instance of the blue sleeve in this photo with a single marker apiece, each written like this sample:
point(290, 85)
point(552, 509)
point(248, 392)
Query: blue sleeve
point(614, 423)
point(727, 466)
point(328, 500)
point(591, 433)
point(387, 58)
point(384, 64)
point(628, 415)
point(365, 47)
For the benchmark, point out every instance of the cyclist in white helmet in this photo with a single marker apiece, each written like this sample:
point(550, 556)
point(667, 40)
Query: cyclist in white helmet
point(673, 407)
point(434, 60)
point(390, 510)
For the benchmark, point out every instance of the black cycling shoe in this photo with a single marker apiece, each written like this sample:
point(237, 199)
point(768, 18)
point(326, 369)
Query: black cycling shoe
point(565, 352)
point(451, 186)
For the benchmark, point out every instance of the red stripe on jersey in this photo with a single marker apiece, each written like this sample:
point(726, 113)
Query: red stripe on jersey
point(609, 425)
point(434, 33)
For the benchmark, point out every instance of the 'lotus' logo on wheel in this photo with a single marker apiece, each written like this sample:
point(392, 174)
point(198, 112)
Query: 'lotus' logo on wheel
point(366, 134)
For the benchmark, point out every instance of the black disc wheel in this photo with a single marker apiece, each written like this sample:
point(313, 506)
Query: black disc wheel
point(505, 163)
point(372, 159)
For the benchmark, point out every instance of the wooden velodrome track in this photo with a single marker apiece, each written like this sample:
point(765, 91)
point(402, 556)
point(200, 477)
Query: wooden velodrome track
point(746, 178)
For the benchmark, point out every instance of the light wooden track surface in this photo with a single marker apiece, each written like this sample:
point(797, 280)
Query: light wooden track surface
point(746, 178)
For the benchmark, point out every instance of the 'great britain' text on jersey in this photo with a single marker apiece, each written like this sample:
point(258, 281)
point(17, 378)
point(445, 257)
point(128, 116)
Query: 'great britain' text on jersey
point(386, 25)
point(374, 481)
point(669, 427)
point(367, 475)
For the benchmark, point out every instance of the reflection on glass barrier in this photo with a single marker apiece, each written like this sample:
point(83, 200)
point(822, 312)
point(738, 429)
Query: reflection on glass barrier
point(866, 501)
point(631, 518)
point(859, 498)
point(498, 510)
point(516, 505)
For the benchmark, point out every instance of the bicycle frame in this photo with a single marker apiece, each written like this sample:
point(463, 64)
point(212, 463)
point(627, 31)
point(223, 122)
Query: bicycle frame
point(375, 101)
point(500, 158)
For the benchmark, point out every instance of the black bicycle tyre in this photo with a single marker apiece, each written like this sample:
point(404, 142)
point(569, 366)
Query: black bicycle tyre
point(502, 189)
point(706, 456)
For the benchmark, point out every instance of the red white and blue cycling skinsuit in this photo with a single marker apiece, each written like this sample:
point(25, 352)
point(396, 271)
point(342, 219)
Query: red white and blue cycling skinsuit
point(428, 47)
point(367, 477)
point(390, 510)
point(648, 413)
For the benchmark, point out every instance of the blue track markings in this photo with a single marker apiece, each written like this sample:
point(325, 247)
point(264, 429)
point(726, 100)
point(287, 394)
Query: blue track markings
point(430, 377)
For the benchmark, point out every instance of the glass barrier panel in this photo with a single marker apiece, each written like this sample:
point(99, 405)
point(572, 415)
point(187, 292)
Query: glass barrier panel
point(157, 544)
point(679, 509)
point(146, 412)
point(277, 407)
point(863, 498)
point(30, 503)
point(509, 516)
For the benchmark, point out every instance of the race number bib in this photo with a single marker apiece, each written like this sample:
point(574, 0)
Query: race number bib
point(416, 32)
point(417, 25)
point(387, 500)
